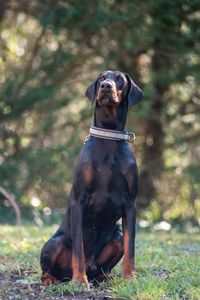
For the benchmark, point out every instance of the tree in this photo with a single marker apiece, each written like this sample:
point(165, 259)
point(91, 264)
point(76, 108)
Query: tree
point(51, 51)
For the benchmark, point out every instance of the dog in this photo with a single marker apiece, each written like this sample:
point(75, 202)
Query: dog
point(89, 241)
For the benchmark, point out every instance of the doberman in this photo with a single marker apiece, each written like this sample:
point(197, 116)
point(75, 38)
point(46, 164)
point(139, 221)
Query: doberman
point(90, 242)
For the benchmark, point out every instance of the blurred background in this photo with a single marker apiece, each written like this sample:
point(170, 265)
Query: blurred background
point(50, 51)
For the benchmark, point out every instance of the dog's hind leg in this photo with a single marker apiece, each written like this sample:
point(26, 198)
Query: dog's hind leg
point(109, 256)
point(55, 261)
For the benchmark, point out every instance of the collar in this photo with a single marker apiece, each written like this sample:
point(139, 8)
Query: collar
point(112, 135)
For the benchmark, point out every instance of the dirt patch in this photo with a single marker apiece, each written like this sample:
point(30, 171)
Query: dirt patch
point(22, 286)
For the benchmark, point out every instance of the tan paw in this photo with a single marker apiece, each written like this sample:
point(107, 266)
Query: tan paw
point(81, 278)
point(48, 279)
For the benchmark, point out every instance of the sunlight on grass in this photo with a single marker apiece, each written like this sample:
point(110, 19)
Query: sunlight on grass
point(20, 247)
point(167, 266)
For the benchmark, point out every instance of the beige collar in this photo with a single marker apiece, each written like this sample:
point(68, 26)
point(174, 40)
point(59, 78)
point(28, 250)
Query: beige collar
point(113, 135)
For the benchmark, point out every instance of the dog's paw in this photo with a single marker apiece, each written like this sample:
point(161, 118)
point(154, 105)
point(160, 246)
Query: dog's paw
point(128, 269)
point(82, 279)
point(128, 275)
point(48, 279)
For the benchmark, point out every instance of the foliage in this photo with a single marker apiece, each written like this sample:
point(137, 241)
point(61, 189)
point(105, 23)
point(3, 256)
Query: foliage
point(51, 50)
point(167, 268)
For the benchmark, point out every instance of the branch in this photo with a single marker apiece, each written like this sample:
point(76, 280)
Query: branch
point(11, 199)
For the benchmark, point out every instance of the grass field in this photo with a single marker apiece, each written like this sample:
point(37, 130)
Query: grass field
point(167, 264)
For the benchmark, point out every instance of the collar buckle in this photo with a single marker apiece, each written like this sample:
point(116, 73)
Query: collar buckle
point(131, 137)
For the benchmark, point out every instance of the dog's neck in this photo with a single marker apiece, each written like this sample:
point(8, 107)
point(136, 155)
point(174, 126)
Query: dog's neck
point(111, 117)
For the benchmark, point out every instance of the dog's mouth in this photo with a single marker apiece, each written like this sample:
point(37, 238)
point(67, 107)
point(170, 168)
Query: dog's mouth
point(107, 98)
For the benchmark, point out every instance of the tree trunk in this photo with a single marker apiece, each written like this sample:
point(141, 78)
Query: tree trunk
point(152, 161)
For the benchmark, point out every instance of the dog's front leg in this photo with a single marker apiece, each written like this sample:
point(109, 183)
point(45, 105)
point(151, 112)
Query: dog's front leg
point(128, 222)
point(78, 257)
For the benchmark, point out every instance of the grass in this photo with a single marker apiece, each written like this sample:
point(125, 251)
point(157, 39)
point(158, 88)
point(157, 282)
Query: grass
point(168, 267)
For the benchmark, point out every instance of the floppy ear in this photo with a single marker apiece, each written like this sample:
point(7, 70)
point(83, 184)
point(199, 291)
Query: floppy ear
point(135, 94)
point(91, 91)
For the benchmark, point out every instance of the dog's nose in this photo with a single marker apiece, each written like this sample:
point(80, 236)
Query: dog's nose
point(105, 85)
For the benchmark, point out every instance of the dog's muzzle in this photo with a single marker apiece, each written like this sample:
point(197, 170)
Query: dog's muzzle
point(107, 94)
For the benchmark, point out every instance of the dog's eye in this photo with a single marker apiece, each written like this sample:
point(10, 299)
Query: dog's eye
point(102, 78)
point(120, 79)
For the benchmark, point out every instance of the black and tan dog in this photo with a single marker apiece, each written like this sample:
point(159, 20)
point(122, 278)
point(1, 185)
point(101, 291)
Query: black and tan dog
point(89, 242)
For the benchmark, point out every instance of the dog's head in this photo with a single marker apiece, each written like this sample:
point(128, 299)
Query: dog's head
point(112, 87)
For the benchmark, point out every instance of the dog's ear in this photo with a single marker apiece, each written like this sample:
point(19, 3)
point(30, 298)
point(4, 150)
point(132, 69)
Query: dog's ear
point(91, 91)
point(135, 94)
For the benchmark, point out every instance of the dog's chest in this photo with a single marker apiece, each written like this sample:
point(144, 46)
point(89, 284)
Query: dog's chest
point(106, 174)
point(108, 188)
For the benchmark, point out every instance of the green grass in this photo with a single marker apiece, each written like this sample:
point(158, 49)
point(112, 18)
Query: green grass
point(167, 264)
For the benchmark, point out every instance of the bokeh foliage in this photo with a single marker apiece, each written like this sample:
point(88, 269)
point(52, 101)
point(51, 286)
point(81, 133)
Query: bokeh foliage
point(51, 50)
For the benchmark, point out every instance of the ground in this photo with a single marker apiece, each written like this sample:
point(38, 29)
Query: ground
point(168, 267)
